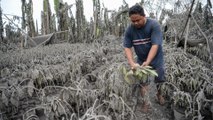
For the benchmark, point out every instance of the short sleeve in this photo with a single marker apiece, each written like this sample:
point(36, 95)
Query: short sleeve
point(156, 34)
point(127, 41)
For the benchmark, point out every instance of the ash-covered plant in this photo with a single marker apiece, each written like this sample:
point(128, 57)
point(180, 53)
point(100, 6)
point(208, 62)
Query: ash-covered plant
point(208, 91)
point(183, 102)
point(64, 81)
point(187, 76)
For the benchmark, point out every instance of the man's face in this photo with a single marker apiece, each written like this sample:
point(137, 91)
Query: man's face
point(137, 20)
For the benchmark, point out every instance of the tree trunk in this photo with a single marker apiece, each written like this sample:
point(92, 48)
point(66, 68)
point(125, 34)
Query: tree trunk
point(1, 25)
point(23, 8)
point(46, 17)
point(96, 15)
point(30, 21)
point(71, 28)
point(80, 19)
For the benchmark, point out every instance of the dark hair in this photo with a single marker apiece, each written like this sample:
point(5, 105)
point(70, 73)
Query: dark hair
point(136, 9)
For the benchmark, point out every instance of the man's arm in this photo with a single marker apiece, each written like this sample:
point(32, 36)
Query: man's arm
point(151, 55)
point(129, 55)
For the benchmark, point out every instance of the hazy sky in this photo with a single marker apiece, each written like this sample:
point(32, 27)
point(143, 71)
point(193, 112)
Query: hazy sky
point(14, 6)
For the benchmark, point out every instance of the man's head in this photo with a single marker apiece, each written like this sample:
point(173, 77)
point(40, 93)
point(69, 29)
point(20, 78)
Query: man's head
point(137, 16)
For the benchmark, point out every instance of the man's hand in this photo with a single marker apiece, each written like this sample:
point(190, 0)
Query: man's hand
point(134, 65)
point(145, 64)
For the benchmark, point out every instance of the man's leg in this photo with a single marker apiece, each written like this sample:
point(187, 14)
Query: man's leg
point(145, 96)
point(159, 95)
point(159, 80)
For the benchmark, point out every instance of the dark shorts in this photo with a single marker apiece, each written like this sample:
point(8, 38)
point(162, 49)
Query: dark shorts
point(161, 75)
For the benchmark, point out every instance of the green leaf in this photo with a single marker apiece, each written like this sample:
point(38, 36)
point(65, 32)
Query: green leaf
point(141, 75)
point(145, 76)
point(152, 72)
point(144, 71)
point(147, 67)
point(130, 72)
point(124, 70)
point(126, 77)
point(137, 72)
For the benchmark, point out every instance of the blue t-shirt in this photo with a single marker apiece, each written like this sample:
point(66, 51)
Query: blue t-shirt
point(142, 40)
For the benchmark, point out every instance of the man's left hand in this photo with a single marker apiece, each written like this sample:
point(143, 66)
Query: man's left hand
point(145, 64)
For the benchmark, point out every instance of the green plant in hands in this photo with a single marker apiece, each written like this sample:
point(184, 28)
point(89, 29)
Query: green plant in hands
point(139, 73)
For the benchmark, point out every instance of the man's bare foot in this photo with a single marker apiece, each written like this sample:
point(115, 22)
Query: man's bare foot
point(146, 108)
point(160, 99)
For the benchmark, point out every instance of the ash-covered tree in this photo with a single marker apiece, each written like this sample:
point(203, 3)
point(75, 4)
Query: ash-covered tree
point(96, 16)
point(208, 17)
point(23, 9)
point(46, 18)
point(121, 19)
point(71, 25)
point(12, 33)
point(61, 14)
point(30, 21)
point(80, 19)
point(1, 24)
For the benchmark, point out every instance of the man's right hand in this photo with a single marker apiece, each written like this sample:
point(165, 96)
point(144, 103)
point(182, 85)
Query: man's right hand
point(134, 65)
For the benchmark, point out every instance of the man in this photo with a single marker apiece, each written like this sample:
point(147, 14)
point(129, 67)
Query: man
point(145, 36)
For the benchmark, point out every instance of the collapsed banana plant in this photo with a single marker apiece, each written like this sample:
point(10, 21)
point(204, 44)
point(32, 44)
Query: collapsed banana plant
point(140, 74)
